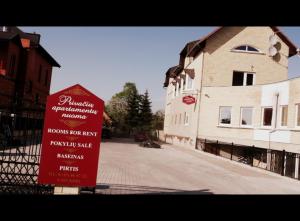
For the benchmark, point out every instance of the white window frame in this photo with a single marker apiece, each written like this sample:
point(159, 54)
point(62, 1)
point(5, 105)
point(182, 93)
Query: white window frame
point(175, 119)
point(296, 116)
point(241, 118)
point(246, 51)
point(187, 77)
point(173, 91)
point(245, 78)
point(219, 120)
point(280, 119)
point(179, 121)
point(186, 119)
point(184, 83)
point(262, 117)
point(181, 85)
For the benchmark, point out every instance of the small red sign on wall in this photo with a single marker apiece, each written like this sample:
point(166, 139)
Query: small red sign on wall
point(188, 100)
point(71, 138)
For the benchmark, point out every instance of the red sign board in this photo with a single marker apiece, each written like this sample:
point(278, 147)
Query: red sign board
point(71, 138)
point(188, 100)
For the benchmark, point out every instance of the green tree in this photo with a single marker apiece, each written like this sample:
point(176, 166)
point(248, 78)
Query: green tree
point(117, 108)
point(145, 112)
point(132, 117)
point(158, 122)
point(128, 89)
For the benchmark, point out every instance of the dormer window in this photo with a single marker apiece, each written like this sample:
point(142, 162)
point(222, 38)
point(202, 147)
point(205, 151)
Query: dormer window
point(246, 48)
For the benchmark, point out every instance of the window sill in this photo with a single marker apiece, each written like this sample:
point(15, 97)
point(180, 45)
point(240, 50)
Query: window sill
point(275, 129)
point(234, 127)
point(283, 128)
point(189, 90)
point(265, 128)
point(225, 126)
point(246, 127)
point(248, 52)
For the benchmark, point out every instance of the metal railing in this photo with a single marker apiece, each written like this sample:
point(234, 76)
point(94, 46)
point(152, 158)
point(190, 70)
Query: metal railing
point(20, 149)
point(281, 162)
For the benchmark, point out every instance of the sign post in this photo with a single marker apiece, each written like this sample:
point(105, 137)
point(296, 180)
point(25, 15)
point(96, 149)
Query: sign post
point(71, 140)
point(188, 100)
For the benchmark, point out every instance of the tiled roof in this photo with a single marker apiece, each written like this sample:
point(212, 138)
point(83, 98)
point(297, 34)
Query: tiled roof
point(194, 47)
point(14, 32)
point(284, 38)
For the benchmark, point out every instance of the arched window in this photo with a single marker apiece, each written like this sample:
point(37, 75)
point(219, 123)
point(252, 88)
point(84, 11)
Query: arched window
point(246, 48)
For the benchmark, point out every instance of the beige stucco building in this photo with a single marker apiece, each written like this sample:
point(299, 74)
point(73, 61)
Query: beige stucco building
point(239, 79)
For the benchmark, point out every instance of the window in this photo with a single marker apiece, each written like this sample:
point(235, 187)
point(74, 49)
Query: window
point(12, 64)
point(28, 86)
point(245, 48)
point(2, 70)
point(238, 78)
point(37, 98)
point(189, 84)
point(284, 116)
point(246, 116)
point(242, 78)
point(186, 119)
point(175, 118)
point(267, 116)
point(46, 78)
point(174, 91)
point(249, 79)
point(298, 115)
point(179, 118)
point(241, 48)
point(225, 115)
point(40, 74)
point(181, 85)
point(249, 48)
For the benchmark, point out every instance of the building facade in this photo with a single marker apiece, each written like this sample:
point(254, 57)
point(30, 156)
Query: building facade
point(238, 77)
point(25, 70)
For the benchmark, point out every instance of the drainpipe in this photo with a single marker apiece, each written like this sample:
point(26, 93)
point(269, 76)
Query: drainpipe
point(199, 94)
point(198, 114)
point(270, 132)
point(276, 110)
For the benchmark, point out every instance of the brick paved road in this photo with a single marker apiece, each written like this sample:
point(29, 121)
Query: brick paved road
point(126, 168)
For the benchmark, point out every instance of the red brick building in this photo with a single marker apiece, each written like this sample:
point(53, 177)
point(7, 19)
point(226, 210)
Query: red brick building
point(25, 70)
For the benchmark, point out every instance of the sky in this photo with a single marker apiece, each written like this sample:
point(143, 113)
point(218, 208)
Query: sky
point(103, 59)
